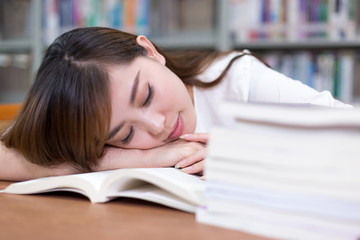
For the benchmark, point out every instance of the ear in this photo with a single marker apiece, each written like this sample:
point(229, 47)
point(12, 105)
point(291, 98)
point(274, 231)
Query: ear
point(151, 50)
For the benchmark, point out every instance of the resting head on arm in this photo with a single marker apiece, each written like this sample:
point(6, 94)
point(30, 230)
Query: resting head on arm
point(100, 87)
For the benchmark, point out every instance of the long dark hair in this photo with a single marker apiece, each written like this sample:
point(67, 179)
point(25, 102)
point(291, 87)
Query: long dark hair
point(66, 115)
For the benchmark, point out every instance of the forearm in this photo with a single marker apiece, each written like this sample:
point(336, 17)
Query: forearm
point(167, 155)
point(115, 158)
point(15, 167)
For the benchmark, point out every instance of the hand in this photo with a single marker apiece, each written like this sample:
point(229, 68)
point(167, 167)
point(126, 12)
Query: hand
point(194, 163)
point(167, 155)
point(172, 153)
point(196, 137)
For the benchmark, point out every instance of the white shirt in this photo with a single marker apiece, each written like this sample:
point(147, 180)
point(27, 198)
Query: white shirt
point(249, 80)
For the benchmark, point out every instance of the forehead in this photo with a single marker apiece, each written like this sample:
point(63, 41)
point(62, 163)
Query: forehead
point(121, 75)
point(126, 73)
point(122, 72)
point(120, 82)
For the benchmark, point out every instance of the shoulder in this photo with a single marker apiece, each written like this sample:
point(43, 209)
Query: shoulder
point(241, 62)
point(235, 84)
point(239, 57)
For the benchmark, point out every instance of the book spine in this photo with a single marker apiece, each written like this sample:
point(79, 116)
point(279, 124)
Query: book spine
point(52, 27)
point(143, 17)
point(347, 76)
point(305, 19)
point(322, 70)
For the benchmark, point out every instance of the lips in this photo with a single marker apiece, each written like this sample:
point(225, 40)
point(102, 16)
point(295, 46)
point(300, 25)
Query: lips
point(177, 129)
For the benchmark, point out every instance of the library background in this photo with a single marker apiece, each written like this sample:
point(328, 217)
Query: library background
point(314, 41)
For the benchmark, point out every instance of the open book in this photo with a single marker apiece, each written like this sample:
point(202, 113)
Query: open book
point(166, 186)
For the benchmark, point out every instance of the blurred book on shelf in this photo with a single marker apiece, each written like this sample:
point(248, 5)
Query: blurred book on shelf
point(293, 20)
point(15, 19)
point(285, 172)
point(1, 19)
point(15, 71)
point(178, 24)
point(331, 70)
point(356, 85)
point(149, 17)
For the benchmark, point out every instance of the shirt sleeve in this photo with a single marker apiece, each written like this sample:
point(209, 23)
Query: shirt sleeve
point(268, 85)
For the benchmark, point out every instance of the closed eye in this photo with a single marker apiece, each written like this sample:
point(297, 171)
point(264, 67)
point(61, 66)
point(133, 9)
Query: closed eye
point(129, 137)
point(149, 97)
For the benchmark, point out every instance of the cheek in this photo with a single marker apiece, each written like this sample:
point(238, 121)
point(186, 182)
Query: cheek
point(190, 124)
point(174, 93)
point(144, 141)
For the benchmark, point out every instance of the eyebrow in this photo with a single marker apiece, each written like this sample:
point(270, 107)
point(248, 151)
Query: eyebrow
point(115, 131)
point(132, 100)
point(134, 89)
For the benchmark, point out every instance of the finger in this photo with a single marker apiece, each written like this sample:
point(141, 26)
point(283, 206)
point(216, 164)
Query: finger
point(196, 137)
point(195, 168)
point(192, 159)
point(172, 153)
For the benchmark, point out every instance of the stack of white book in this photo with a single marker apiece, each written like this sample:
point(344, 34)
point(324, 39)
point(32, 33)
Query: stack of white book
point(285, 172)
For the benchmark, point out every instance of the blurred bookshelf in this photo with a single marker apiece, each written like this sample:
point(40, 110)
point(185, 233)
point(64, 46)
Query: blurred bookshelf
point(320, 36)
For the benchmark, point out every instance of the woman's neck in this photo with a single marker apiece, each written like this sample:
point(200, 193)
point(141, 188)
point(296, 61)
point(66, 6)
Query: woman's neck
point(190, 90)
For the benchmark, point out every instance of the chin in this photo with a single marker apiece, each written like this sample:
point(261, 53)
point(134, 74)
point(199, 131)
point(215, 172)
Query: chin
point(190, 129)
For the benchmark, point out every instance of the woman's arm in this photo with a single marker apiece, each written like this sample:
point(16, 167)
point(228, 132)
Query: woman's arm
point(15, 167)
point(167, 155)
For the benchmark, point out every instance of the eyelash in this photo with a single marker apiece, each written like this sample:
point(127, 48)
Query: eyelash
point(146, 104)
point(129, 136)
point(149, 97)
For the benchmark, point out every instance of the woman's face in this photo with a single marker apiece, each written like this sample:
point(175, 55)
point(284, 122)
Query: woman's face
point(150, 105)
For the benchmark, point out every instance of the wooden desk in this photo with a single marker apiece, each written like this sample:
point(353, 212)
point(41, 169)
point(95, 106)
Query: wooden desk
point(71, 216)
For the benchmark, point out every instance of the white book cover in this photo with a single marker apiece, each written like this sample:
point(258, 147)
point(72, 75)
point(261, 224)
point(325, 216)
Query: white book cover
point(275, 227)
point(226, 197)
point(302, 115)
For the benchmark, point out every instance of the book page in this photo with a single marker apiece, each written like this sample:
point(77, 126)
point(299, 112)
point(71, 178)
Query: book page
point(171, 184)
point(172, 180)
point(154, 194)
point(87, 184)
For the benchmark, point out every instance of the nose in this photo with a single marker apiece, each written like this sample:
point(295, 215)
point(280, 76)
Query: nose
point(155, 123)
